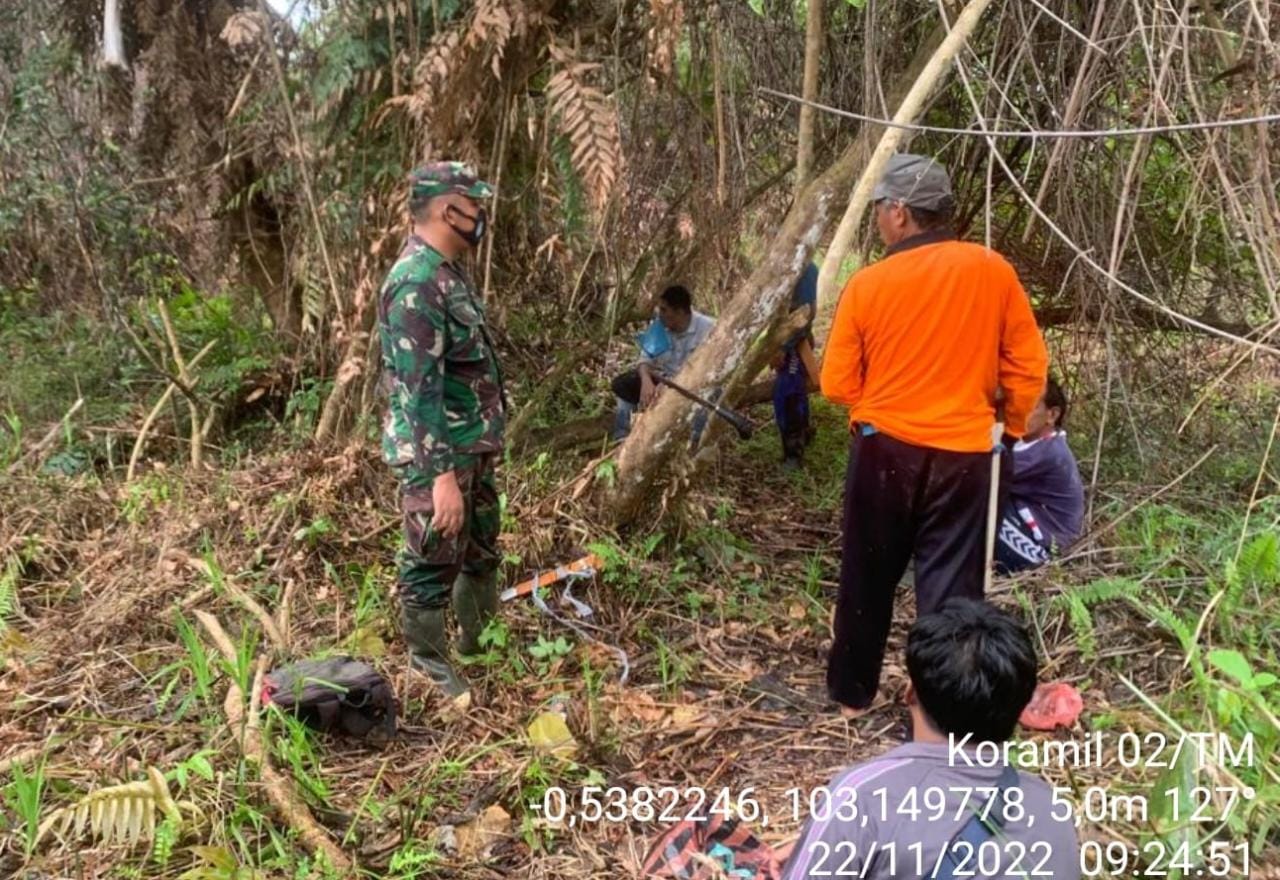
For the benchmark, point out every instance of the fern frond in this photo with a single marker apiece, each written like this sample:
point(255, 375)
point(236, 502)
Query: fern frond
point(1077, 602)
point(1101, 590)
point(123, 813)
point(1081, 619)
point(590, 124)
point(8, 591)
point(1260, 560)
point(1183, 630)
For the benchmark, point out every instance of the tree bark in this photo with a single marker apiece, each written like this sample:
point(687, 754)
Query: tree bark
point(909, 110)
point(808, 113)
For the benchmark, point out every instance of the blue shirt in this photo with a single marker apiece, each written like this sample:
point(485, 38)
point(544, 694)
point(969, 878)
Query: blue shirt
point(804, 294)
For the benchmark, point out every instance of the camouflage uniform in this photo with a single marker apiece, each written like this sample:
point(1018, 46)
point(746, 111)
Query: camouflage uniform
point(447, 408)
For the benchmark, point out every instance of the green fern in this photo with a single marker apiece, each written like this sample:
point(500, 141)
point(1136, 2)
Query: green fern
point(8, 592)
point(1106, 590)
point(572, 197)
point(1259, 562)
point(1081, 619)
point(1184, 630)
point(1078, 603)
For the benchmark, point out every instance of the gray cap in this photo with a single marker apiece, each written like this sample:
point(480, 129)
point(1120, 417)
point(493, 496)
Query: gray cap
point(918, 181)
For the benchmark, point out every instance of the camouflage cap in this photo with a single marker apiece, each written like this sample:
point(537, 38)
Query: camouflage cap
point(918, 181)
point(439, 178)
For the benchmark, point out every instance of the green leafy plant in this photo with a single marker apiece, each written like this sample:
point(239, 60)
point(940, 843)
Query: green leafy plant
point(547, 652)
point(195, 668)
point(1078, 603)
point(23, 796)
point(10, 439)
point(1246, 700)
point(314, 531)
point(295, 746)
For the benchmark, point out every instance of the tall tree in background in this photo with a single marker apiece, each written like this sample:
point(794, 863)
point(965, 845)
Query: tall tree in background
point(808, 113)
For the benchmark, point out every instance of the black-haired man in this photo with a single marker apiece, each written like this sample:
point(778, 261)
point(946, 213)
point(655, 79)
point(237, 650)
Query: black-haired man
point(918, 811)
point(1045, 510)
point(677, 330)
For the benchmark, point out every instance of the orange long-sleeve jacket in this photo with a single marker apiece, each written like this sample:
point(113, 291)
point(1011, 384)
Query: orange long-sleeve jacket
point(922, 339)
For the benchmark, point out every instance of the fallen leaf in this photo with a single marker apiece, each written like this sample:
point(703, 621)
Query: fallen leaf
point(685, 716)
point(550, 733)
point(638, 706)
point(365, 642)
point(474, 837)
point(796, 611)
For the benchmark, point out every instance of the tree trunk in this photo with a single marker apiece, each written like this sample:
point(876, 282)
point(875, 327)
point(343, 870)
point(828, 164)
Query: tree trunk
point(908, 110)
point(653, 463)
point(808, 113)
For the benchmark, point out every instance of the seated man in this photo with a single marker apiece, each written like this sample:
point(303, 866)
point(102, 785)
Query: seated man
point(680, 330)
point(918, 810)
point(1046, 498)
point(795, 368)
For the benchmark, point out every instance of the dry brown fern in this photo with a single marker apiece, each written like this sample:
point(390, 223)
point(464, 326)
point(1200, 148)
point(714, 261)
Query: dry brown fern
point(664, 36)
point(244, 30)
point(120, 813)
point(448, 81)
point(588, 120)
point(495, 24)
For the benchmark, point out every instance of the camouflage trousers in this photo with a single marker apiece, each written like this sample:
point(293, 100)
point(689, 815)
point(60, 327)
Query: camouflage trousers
point(430, 562)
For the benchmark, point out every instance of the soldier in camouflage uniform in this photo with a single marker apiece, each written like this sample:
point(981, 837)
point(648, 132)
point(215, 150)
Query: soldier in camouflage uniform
point(445, 420)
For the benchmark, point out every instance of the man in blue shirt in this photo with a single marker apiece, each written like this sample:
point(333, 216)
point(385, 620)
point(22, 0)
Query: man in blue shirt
point(679, 330)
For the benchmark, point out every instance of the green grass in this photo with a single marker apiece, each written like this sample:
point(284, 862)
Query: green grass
point(23, 795)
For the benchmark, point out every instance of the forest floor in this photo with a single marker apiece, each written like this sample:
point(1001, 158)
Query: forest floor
point(723, 621)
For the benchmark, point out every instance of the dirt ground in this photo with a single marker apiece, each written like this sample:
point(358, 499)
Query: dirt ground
point(723, 624)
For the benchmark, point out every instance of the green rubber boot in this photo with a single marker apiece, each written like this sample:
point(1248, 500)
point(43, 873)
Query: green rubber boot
point(424, 633)
point(475, 602)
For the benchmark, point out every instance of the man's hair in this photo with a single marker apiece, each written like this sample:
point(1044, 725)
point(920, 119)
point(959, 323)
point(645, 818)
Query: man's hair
point(420, 207)
point(1056, 398)
point(677, 296)
point(931, 220)
point(973, 668)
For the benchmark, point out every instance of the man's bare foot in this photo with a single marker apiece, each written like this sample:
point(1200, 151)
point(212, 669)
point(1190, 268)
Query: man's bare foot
point(849, 713)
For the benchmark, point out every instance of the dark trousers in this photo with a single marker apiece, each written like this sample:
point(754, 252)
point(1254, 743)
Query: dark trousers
point(902, 501)
point(627, 386)
point(791, 406)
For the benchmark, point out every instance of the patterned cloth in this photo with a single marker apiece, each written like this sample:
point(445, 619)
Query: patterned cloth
point(440, 370)
point(1020, 543)
point(711, 848)
point(439, 178)
point(430, 563)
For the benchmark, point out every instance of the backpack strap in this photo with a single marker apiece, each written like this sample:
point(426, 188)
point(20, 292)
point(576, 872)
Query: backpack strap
point(979, 828)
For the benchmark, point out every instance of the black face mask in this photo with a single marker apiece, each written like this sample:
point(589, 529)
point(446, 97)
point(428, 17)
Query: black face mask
point(478, 224)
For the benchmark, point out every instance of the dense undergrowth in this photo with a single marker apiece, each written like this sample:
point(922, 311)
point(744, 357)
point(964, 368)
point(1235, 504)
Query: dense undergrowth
point(1167, 622)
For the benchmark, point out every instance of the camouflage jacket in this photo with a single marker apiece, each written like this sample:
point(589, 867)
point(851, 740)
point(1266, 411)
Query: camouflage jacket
point(446, 399)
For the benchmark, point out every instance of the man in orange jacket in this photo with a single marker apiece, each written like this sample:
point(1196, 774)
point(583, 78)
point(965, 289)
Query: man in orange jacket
point(920, 343)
